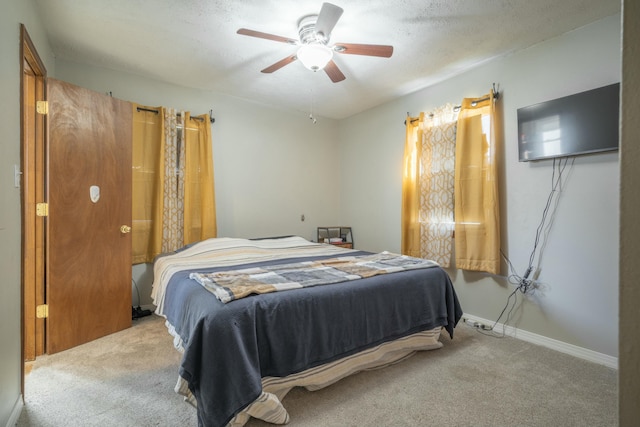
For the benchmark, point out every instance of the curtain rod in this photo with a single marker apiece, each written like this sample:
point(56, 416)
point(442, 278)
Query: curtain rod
point(496, 96)
point(151, 110)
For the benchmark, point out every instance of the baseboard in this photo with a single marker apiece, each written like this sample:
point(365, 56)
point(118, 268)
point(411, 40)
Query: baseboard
point(15, 413)
point(563, 347)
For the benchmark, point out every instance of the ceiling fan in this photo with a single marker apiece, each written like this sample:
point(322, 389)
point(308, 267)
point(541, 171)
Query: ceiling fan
point(315, 52)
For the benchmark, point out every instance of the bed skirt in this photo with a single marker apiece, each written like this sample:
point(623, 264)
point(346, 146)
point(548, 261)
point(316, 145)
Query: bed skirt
point(268, 406)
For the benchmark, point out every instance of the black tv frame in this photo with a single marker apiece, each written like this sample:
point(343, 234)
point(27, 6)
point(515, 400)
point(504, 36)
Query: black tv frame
point(582, 123)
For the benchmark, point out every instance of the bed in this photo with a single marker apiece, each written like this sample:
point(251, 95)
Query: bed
point(293, 325)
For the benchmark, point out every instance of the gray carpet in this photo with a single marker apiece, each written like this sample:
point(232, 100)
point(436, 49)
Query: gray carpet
point(127, 379)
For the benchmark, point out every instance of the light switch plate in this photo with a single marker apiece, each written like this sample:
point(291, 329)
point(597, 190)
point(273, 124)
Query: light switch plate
point(16, 176)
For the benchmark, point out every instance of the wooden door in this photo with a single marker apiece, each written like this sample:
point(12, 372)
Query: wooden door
point(88, 271)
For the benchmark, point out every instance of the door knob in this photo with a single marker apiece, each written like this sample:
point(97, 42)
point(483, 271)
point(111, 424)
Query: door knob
point(124, 229)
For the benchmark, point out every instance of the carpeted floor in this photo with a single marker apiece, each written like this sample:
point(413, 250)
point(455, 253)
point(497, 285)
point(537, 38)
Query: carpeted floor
point(127, 379)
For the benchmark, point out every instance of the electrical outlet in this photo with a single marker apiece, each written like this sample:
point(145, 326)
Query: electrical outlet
point(477, 325)
point(484, 327)
point(469, 322)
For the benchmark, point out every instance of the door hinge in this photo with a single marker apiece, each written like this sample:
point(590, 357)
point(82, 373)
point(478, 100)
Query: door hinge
point(42, 107)
point(42, 209)
point(42, 311)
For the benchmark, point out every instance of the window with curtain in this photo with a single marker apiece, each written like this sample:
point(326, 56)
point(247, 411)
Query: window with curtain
point(173, 188)
point(429, 179)
point(450, 183)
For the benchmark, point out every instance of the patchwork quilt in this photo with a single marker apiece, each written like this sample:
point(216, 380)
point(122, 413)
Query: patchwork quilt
point(235, 284)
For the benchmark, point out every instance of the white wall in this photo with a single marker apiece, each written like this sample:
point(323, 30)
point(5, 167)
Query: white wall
point(271, 166)
point(577, 303)
point(13, 13)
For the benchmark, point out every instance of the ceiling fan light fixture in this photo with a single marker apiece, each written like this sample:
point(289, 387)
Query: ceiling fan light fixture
point(315, 51)
point(314, 56)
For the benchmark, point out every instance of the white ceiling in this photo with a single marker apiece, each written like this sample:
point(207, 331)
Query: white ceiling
point(194, 43)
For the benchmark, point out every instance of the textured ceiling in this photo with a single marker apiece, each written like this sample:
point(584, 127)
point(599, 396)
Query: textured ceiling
point(194, 43)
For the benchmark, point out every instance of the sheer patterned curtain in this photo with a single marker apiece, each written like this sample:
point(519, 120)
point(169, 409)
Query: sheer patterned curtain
point(428, 186)
point(173, 188)
point(477, 210)
point(437, 164)
point(174, 165)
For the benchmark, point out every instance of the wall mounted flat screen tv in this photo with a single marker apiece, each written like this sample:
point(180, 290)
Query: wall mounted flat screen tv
point(586, 122)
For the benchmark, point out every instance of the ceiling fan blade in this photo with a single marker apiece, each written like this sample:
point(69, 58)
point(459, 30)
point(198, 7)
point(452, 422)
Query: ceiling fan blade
point(334, 72)
point(364, 49)
point(260, 35)
point(280, 64)
point(327, 19)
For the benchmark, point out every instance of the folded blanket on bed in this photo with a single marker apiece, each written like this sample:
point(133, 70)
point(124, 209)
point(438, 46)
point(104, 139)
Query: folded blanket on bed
point(235, 284)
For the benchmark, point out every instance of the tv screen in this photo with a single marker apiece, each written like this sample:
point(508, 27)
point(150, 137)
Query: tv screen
point(586, 122)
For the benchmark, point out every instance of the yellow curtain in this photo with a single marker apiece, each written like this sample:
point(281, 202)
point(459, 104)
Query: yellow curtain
point(148, 183)
point(410, 221)
point(173, 192)
point(477, 214)
point(199, 195)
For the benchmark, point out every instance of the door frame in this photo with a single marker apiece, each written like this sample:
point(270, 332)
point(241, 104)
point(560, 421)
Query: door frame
point(32, 191)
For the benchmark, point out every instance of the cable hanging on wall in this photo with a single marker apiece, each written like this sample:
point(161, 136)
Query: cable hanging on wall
point(528, 282)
